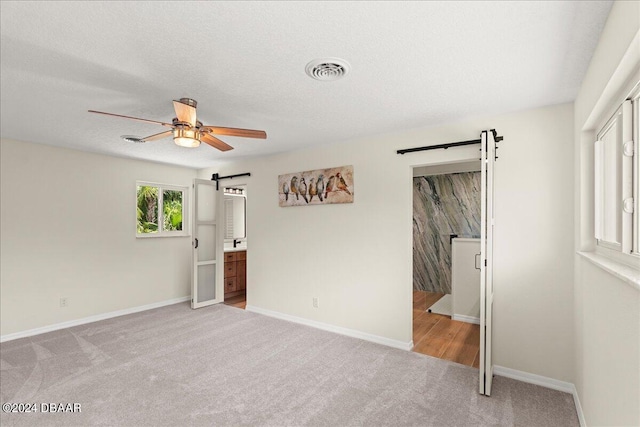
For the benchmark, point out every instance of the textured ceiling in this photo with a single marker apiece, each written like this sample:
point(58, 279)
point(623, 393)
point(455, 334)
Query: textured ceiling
point(414, 64)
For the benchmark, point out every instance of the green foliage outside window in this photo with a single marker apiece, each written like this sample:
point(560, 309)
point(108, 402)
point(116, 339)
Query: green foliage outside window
point(172, 201)
point(147, 209)
point(150, 219)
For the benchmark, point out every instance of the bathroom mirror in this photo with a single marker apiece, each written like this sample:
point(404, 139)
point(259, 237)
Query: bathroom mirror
point(234, 216)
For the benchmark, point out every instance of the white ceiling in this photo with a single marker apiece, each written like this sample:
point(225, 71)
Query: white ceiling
point(414, 64)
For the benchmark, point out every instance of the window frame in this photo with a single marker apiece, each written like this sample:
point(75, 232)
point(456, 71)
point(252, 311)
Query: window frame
point(635, 105)
point(631, 237)
point(185, 210)
point(599, 216)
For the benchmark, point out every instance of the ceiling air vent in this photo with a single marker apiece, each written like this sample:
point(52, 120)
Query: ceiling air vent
point(327, 69)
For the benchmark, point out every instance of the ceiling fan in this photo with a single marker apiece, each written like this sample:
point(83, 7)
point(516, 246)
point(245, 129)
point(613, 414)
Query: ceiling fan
point(187, 131)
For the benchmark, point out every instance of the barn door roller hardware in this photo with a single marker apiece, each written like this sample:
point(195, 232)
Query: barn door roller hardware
point(450, 144)
point(215, 177)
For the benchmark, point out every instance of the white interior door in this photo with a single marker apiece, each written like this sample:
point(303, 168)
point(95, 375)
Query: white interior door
point(486, 266)
point(207, 284)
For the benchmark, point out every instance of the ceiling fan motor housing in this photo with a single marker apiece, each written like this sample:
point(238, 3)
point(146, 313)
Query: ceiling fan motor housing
point(190, 102)
point(177, 123)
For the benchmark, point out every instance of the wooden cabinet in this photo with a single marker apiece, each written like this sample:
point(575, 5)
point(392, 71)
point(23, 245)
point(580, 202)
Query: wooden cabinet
point(235, 273)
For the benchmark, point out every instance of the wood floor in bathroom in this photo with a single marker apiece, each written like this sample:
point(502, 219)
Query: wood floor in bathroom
point(239, 301)
point(440, 336)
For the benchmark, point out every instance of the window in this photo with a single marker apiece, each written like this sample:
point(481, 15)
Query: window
point(161, 210)
point(617, 166)
point(636, 172)
point(608, 188)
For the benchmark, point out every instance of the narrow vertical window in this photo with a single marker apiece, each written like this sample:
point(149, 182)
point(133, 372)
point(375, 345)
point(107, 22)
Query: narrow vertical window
point(172, 208)
point(608, 189)
point(147, 212)
point(635, 203)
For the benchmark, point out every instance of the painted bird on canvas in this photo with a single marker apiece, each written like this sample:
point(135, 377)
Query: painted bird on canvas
point(294, 186)
point(285, 190)
point(302, 189)
point(330, 184)
point(320, 186)
point(313, 190)
point(341, 184)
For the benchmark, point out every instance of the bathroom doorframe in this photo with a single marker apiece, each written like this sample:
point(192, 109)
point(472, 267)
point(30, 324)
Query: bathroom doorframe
point(463, 160)
point(244, 184)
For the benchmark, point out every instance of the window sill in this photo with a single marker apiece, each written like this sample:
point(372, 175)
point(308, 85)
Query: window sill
point(156, 236)
point(623, 272)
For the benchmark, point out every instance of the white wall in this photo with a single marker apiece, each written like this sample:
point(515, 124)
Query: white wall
point(356, 258)
point(607, 347)
point(68, 230)
point(607, 310)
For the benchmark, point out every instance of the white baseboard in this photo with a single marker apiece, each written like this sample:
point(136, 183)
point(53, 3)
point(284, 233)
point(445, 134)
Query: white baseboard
point(332, 328)
point(533, 379)
point(576, 401)
point(544, 382)
point(468, 319)
point(91, 319)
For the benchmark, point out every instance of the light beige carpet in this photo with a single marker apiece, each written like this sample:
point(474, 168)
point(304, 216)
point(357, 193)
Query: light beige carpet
point(220, 365)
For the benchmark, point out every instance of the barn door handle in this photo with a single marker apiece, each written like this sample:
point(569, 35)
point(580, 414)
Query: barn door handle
point(196, 246)
point(475, 263)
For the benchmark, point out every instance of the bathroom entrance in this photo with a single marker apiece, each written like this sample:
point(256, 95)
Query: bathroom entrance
point(453, 273)
point(446, 224)
point(235, 245)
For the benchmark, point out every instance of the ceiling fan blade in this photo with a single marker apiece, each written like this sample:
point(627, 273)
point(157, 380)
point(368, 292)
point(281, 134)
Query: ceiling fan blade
point(185, 113)
point(215, 142)
point(246, 133)
point(157, 136)
point(133, 118)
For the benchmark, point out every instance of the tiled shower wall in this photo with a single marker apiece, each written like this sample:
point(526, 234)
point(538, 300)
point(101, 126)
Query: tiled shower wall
point(442, 205)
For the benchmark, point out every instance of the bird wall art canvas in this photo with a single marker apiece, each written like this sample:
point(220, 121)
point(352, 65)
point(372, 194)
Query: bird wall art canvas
point(317, 187)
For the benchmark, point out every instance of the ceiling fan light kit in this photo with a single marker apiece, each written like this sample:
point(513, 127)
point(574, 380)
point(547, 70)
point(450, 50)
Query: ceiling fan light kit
point(187, 131)
point(186, 137)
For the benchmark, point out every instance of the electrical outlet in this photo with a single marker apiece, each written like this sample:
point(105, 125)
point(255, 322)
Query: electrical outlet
point(315, 302)
point(64, 302)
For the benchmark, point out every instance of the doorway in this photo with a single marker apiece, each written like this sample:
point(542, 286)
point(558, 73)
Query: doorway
point(484, 260)
point(446, 215)
point(235, 245)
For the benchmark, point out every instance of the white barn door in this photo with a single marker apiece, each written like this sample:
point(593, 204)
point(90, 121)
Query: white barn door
point(207, 283)
point(486, 266)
